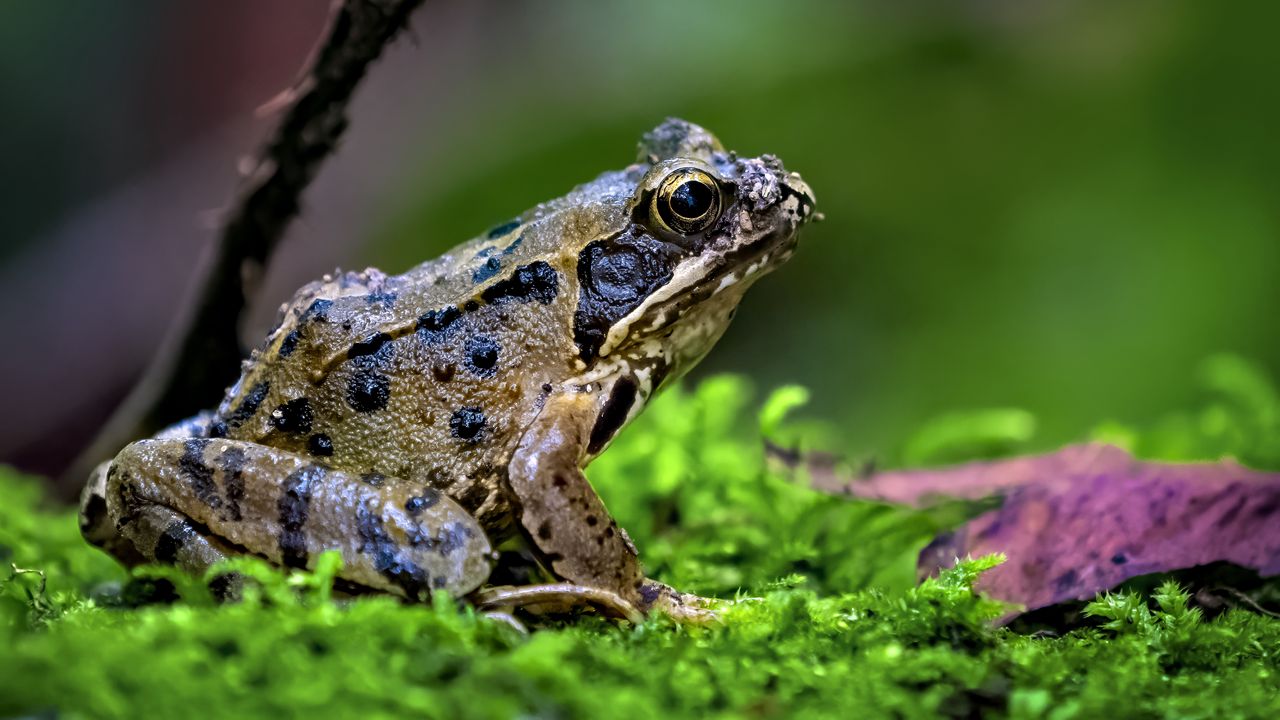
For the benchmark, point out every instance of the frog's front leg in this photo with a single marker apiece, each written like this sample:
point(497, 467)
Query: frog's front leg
point(566, 521)
point(193, 501)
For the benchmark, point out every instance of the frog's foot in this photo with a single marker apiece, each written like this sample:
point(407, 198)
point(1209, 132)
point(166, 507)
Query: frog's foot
point(656, 597)
point(555, 598)
point(505, 618)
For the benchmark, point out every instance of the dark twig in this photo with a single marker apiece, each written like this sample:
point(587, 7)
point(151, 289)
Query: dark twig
point(202, 354)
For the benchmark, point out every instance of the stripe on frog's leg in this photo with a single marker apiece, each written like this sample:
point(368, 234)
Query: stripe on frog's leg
point(231, 462)
point(173, 539)
point(197, 473)
point(294, 507)
point(164, 535)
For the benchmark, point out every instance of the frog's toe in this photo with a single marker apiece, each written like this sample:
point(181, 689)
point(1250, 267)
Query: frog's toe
point(556, 598)
point(682, 607)
point(506, 618)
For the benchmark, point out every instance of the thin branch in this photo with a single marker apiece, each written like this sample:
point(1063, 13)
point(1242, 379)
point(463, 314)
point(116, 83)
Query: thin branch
point(202, 354)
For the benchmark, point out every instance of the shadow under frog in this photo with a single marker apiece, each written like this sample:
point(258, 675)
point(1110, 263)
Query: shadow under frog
point(413, 422)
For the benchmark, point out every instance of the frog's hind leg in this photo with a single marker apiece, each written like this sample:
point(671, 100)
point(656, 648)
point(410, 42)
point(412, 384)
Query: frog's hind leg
point(243, 498)
point(555, 598)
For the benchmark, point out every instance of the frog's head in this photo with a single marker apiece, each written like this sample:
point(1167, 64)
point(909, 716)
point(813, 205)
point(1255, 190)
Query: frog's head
point(701, 226)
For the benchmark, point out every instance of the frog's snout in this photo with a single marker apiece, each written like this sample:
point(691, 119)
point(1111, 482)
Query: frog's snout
point(794, 186)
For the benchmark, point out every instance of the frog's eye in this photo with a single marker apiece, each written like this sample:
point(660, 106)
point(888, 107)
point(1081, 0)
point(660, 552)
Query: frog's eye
point(687, 202)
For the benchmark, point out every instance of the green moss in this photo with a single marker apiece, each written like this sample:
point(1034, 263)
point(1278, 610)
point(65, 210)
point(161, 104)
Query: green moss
point(829, 620)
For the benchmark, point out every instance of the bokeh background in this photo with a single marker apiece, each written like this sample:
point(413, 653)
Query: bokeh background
point(1056, 205)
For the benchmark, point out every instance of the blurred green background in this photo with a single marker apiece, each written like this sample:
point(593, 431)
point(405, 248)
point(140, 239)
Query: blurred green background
point(1056, 205)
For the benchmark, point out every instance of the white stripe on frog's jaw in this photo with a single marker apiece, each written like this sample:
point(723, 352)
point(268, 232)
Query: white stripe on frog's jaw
point(769, 210)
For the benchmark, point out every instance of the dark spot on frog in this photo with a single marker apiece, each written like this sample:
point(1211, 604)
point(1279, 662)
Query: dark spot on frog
point(231, 461)
point(318, 311)
point(443, 373)
point(199, 475)
point(482, 355)
point(544, 530)
point(224, 587)
point(615, 275)
point(649, 593)
point(487, 270)
point(368, 391)
point(471, 306)
point(535, 281)
point(217, 429)
point(438, 582)
point(1119, 559)
point(560, 481)
point(292, 508)
point(249, 405)
point(368, 347)
point(320, 445)
point(416, 504)
point(289, 344)
point(386, 555)
point(294, 416)
point(503, 229)
point(453, 537)
point(386, 299)
point(434, 323)
point(467, 423)
point(592, 520)
point(420, 538)
point(614, 413)
point(171, 541)
point(515, 245)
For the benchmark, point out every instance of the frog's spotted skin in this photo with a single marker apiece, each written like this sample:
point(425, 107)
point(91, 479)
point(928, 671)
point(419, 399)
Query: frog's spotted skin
point(485, 378)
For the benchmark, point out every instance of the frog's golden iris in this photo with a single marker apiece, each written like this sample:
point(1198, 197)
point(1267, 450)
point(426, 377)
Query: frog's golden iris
point(687, 202)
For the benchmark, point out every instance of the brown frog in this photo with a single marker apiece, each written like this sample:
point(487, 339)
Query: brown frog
point(413, 422)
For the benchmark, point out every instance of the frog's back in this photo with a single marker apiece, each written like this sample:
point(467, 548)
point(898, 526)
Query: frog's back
point(416, 377)
point(430, 376)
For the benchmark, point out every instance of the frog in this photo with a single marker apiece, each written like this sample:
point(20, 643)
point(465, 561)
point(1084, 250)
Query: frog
point(417, 422)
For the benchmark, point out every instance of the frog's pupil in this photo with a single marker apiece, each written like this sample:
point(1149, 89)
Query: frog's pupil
point(691, 200)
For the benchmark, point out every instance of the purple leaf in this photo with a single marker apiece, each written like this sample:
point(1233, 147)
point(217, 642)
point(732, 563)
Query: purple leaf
point(1088, 517)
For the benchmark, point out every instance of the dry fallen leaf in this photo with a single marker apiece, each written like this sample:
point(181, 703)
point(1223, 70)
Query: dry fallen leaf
point(1086, 518)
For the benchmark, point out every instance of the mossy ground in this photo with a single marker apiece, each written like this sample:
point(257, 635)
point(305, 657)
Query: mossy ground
point(829, 622)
